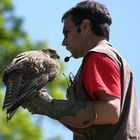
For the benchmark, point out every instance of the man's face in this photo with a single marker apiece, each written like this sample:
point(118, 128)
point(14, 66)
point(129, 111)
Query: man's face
point(72, 39)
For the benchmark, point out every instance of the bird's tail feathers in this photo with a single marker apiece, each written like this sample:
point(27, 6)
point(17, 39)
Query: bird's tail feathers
point(7, 99)
point(12, 91)
point(28, 92)
point(10, 115)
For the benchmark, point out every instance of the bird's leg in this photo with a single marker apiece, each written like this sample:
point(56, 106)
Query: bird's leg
point(43, 94)
point(34, 104)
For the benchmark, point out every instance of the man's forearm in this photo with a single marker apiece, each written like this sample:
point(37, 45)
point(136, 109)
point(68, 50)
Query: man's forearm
point(77, 114)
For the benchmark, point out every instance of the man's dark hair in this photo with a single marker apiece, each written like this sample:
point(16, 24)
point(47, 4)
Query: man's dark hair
point(97, 13)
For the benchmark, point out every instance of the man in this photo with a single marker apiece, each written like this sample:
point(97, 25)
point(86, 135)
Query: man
point(101, 101)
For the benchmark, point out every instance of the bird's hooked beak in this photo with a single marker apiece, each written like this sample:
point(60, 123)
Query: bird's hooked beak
point(57, 57)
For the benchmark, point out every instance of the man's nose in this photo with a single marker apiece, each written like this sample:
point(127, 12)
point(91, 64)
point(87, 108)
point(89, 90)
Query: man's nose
point(64, 42)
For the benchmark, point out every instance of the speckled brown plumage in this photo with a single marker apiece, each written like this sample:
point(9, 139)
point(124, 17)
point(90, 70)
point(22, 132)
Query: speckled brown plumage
point(27, 74)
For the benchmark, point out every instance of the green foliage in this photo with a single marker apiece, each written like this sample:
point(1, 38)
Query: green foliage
point(14, 40)
point(20, 128)
point(56, 138)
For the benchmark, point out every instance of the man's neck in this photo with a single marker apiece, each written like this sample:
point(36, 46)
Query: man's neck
point(93, 42)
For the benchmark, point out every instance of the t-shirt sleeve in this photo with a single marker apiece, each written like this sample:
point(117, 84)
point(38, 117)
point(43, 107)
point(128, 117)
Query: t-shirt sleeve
point(100, 74)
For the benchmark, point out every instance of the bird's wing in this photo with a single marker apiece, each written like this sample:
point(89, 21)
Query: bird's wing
point(29, 91)
point(12, 89)
point(18, 74)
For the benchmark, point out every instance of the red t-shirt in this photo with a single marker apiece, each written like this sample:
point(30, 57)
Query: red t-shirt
point(101, 75)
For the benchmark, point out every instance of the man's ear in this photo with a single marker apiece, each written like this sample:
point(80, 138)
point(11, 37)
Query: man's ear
point(85, 26)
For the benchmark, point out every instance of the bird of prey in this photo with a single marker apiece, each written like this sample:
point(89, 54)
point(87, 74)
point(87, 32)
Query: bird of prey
point(26, 74)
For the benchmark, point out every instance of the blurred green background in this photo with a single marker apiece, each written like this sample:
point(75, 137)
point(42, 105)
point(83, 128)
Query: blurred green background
point(14, 40)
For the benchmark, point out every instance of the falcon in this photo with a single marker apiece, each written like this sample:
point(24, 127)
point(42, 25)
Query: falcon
point(26, 75)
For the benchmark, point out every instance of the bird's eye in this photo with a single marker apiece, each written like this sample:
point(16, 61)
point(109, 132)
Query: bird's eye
point(53, 51)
